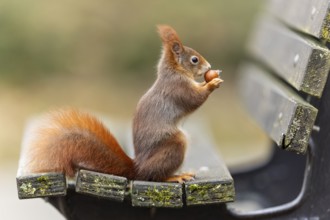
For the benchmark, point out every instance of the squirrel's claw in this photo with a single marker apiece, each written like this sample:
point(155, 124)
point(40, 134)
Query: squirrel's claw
point(184, 177)
point(214, 83)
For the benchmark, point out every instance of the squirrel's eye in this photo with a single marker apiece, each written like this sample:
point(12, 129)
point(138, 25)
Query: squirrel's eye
point(194, 60)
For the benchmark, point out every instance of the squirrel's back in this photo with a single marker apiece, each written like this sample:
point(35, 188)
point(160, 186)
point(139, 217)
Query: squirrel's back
point(68, 139)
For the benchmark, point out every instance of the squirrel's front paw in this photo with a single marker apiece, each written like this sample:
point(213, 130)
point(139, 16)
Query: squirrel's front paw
point(214, 83)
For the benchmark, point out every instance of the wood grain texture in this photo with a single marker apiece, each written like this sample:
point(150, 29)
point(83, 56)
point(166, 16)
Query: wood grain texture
point(202, 152)
point(101, 185)
point(308, 16)
point(213, 183)
point(301, 61)
point(210, 187)
point(152, 194)
point(41, 185)
point(284, 116)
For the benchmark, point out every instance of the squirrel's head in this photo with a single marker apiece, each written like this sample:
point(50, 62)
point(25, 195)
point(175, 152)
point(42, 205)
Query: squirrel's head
point(181, 57)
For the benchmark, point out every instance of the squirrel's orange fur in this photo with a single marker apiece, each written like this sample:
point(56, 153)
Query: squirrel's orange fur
point(68, 140)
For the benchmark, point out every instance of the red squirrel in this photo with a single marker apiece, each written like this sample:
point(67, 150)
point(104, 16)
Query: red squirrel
point(68, 140)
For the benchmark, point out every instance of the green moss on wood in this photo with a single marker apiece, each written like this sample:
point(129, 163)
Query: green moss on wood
point(325, 31)
point(297, 137)
point(161, 195)
point(27, 188)
point(202, 193)
point(150, 194)
point(316, 72)
point(45, 184)
point(41, 185)
point(103, 185)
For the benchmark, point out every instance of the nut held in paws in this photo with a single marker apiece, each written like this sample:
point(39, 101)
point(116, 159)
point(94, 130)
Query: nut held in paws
point(211, 74)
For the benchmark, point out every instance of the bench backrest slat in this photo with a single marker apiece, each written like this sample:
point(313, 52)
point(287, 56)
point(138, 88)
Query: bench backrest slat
point(308, 16)
point(286, 117)
point(300, 61)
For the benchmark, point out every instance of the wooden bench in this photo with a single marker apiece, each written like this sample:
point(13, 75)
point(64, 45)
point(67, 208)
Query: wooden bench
point(285, 87)
point(213, 183)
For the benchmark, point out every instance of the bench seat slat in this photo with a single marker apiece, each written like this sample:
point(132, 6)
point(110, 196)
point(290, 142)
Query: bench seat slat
point(286, 117)
point(101, 185)
point(301, 62)
point(41, 185)
point(209, 187)
point(213, 183)
point(153, 194)
point(309, 16)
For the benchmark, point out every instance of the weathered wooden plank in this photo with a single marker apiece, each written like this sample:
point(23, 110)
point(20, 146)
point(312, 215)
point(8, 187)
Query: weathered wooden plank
point(210, 187)
point(153, 194)
point(201, 151)
point(286, 117)
point(300, 61)
point(41, 185)
point(309, 16)
point(101, 185)
point(213, 183)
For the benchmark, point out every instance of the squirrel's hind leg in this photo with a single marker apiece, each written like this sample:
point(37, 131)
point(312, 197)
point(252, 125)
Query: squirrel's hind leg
point(163, 161)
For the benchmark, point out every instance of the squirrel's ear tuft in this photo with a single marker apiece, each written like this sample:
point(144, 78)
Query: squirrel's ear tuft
point(170, 38)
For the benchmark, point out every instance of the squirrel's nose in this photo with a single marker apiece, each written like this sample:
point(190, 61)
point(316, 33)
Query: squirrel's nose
point(208, 66)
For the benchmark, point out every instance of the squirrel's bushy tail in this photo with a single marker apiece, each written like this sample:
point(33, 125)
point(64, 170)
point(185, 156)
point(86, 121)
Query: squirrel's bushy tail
point(66, 140)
